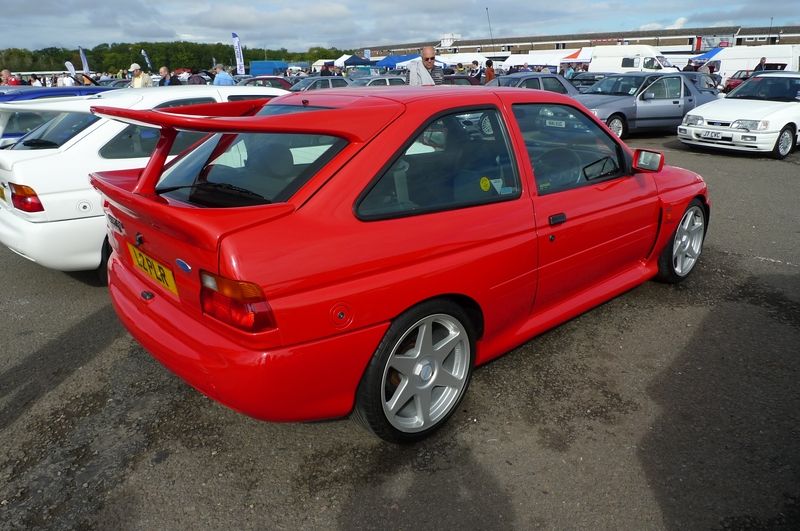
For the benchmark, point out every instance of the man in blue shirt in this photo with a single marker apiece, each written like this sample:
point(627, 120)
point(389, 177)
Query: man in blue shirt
point(222, 77)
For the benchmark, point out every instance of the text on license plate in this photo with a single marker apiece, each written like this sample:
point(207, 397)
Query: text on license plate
point(712, 134)
point(153, 269)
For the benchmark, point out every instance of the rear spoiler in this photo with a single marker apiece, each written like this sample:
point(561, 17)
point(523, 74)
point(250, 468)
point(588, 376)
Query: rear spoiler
point(353, 126)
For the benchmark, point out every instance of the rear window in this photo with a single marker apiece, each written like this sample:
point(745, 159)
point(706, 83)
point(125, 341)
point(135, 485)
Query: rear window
point(234, 170)
point(21, 123)
point(57, 131)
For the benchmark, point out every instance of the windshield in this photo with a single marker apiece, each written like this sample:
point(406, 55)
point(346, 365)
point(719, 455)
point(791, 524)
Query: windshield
point(303, 83)
point(503, 81)
point(247, 169)
point(772, 88)
point(57, 131)
point(617, 85)
point(664, 61)
point(361, 82)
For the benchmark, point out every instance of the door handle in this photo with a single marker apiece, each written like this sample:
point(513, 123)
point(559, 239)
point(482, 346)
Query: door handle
point(557, 219)
point(676, 102)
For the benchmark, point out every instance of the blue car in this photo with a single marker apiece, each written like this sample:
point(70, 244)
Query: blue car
point(14, 125)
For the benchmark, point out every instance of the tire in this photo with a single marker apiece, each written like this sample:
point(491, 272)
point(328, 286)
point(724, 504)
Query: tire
point(102, 271)
point(682, 252)
point(785, 143)
point(409, 391)
point(618, 125)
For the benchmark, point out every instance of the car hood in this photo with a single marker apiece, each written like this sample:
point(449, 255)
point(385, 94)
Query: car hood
point(594, 101)
point(727, 109)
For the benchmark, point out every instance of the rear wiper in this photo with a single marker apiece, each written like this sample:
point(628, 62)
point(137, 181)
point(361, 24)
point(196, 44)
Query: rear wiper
point(219, 186)
point(39, 142)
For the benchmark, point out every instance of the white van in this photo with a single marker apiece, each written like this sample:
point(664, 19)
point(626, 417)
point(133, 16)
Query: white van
point(779, 57)
point(628, 58)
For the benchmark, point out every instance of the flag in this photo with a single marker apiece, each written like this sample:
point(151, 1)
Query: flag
point(70, 68)
point(147, 60)
point(237, 47)
point(84, 62)
point(213, 62)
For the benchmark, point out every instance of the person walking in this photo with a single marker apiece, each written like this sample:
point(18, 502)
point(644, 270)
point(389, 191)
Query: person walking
point(222, 77)
point(476, 71)
point(167, 80)
point(425, 71)
point(138, 78)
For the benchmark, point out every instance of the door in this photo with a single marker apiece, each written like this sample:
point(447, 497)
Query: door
point(661, 104)
point(593, 218)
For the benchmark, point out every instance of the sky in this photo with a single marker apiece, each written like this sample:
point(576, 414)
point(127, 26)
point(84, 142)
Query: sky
point(300, 24)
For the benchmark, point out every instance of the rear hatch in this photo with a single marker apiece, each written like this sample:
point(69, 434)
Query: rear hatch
point(166, 223)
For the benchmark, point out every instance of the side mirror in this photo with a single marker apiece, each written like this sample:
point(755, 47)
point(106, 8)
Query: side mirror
point(648, 96)
point(648, 161)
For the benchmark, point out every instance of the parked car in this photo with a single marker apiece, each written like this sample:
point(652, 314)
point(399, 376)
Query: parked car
point(762, 114)
point(460, 79)
point(115, 83)
point(13, 125)
point(704, 82)
point(49, 213)
point(267, 81)
point(536, 80)
point(636, 101)
point(377, 81)
point(319, 82)
point(392, 242)
point(584, 80)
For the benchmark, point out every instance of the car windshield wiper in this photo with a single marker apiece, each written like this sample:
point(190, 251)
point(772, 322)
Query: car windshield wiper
point(39, 142)
point(217, 186)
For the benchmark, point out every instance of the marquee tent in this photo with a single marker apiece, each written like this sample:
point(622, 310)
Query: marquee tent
point(391, 61)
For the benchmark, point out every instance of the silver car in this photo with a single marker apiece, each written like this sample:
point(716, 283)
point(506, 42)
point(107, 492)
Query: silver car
point(638, 101)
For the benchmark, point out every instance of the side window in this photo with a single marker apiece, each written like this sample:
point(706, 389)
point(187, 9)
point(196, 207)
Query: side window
point(566, 149)
point(136, 141)
point(665, 88)
point(630, 62)
point(393, 81)
point(185, 101)
point(553, 85)
point(338, 82)
point(461, 81)
point(242, 97)
point(532, 83)
point(458, 160)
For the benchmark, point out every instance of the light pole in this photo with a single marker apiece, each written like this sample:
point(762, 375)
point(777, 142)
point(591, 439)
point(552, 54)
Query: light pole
point(769, 35)
point(491, 37)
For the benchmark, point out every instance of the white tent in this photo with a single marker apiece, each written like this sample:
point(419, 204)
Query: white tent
point(405, 64)
point(465, 59)
point(340, 61)
point(537, 58)
point(319, 64)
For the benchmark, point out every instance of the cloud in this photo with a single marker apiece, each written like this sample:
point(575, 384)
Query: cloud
point(678, 24)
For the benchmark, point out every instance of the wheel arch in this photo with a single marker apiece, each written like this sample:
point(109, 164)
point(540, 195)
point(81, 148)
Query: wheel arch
point(466, 303)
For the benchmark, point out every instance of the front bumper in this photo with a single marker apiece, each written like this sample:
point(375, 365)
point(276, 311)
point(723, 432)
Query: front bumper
point(69, 245)
point(735, 139)
point(310, 381)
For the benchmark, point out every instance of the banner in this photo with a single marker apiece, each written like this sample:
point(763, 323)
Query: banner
point(84, 62)
point(70, 68)
point(213, 63)
point(147, 60)
point(237, 47)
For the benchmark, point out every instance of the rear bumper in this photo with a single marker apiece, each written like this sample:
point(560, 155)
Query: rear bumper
point(70, 245)
point(731, 139)
point(310, 381)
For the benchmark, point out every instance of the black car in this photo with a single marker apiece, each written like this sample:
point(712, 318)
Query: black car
point(536, 80)
point(584, 80)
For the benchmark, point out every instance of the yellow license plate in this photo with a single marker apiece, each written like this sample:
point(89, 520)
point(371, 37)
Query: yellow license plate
point(154, 269)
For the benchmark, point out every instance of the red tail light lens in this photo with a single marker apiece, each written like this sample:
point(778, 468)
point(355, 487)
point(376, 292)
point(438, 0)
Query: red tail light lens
point(24, 198)
point(237, 303)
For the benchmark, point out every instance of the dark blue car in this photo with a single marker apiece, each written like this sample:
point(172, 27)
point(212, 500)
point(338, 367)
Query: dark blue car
point(14, 125)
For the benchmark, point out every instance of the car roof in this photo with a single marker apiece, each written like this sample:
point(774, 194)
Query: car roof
point(529, 74)
point(777, 73)
point(131, 97)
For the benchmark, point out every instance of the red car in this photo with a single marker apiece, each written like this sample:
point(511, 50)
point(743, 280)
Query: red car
point(359, 253)
point(267, 81)
point(737, 79)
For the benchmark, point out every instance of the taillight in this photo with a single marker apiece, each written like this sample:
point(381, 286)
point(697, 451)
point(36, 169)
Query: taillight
point(235, 302)
point(25, 198)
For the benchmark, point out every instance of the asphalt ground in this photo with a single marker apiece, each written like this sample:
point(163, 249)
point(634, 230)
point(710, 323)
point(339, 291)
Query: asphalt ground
point(669, 407)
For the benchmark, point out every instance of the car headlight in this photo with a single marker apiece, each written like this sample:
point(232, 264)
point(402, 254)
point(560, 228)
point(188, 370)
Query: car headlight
point(693, 119)
point(751, 125)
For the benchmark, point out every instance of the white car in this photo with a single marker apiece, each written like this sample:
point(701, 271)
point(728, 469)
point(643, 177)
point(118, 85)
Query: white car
point(761, 114)
point(49, 213)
